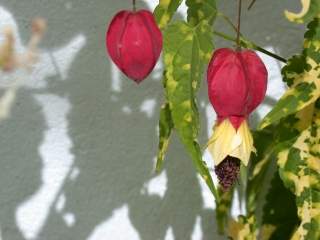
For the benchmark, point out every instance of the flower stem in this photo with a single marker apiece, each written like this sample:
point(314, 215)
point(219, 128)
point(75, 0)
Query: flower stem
point(239, 24)
point(134, 5)
point(260, 49)
point(228, 21)
point(248, 44)
point(244, 42)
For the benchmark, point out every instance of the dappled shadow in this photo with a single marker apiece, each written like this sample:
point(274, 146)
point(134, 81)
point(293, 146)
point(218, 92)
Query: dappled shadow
point(113, 132)
point(20, 162)
point(113, 136)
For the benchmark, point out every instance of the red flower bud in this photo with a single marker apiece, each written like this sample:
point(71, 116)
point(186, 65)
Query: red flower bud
point(134, 43)
point(237, 83)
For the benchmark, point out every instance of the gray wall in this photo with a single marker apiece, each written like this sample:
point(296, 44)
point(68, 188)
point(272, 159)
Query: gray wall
point(77, 153)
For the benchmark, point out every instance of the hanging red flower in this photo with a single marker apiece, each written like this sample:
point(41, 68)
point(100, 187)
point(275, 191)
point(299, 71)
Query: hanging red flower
point(237, 83)
point(134, 43)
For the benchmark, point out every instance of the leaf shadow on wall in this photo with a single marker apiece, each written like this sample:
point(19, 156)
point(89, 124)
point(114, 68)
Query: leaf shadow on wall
point(114, 143)
point(20, 170)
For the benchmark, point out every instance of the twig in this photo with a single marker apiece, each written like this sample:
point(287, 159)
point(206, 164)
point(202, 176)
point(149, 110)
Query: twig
point(227, 19)
point(134, 5)
point(247, 44)
point(239, 24)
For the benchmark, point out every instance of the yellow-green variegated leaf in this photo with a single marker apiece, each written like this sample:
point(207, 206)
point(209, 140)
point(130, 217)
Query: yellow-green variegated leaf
point(199, 10)
point(293, 101)
point(243, 229)
point(165, 128)
point(165, 10)
point(279, 222)
point(310, 9)
point(302, 74)
point(269, 142)
point(259, 162)
point(299, 168)
point(187, 50)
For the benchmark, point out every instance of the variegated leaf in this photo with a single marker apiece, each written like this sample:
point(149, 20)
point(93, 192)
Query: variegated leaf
point(279, 222)
point(243, 229)
point(310, 9)
point(302, 74)
point(293, 101)
point(299, 168)
point(199, 10)
point(268, 143)
point(165, 10)
point(258, 167)
point(165, 128)
point(187, 50)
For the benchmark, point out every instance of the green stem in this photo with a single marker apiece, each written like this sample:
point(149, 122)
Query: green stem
point(247, 44)
point(134, 5)
point(238, 25)
point(225, 36)
point(224, 17)
point(243, 42)
point(260, 49)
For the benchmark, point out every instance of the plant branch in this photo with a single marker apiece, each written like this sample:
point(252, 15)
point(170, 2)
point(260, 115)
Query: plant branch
point(227, 19)
point(243, 41)
point(248, 44)
point(134, 5)
point(239, 24)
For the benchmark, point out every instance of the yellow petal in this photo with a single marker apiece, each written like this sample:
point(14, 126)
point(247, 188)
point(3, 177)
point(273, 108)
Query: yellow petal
point(226, 140)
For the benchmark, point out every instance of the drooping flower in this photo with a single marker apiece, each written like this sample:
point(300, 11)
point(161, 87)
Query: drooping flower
point(237, 83)
point(134, 43)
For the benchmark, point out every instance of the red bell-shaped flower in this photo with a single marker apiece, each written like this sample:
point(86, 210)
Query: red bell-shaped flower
point(134, 43)
point(237, 83)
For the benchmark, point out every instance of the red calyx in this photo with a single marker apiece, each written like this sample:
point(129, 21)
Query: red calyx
point(134, 43)
point(237, 83)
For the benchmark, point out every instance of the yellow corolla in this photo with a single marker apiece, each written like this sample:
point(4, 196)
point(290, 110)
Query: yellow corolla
point(228, 141)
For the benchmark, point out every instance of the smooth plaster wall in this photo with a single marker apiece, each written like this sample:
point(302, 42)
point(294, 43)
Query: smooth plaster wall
point(77, 153)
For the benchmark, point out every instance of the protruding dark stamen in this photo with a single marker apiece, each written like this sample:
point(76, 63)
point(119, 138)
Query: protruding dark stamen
point(227, 172)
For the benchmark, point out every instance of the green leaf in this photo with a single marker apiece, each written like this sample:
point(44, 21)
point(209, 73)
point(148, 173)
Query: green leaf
point(263, 141)
point(165, 128)
point(278, 221)
point(310, 9)
point(199, 10)
point(269, 142)
point(302, 75)
point(312, 40)
point(293, 101)
point(299, 168)
point(165, 10)
point(187, 50)
point(243, 229)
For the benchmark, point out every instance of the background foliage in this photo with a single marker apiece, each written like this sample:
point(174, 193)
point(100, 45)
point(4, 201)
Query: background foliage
point(287, 140)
